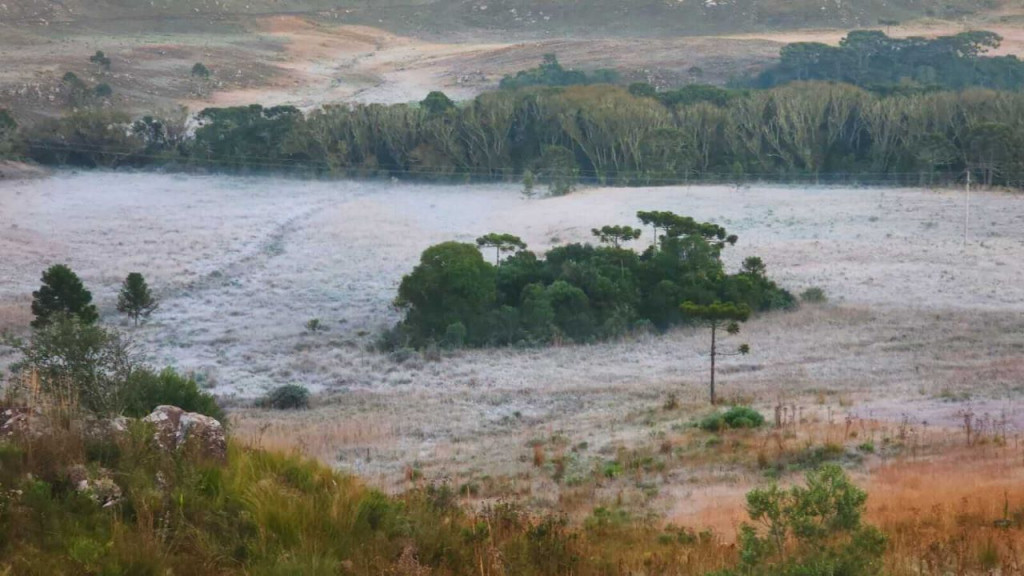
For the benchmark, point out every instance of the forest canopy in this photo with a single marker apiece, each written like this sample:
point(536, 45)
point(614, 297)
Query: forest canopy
point(870, 59)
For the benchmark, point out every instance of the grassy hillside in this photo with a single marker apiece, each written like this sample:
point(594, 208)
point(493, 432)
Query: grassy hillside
point(526, 17)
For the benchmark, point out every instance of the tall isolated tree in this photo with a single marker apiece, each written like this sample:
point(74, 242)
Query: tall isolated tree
point(502, 244)
point(62, 292)
point(718, 315)
point(135, 299)
point(615, 235)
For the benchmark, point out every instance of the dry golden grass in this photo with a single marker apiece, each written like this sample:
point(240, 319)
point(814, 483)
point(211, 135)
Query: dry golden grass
point(312, 433)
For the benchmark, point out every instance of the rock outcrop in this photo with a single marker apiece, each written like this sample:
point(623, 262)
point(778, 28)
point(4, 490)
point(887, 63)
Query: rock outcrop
point(180, 430)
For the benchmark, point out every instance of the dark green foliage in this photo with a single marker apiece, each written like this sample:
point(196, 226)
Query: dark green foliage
point(75, 90)
point(90, 138)
point(62, 293)
point(551, 73)
point(452, 283)
point(103, 90)
point(870, 59)
point(502, 243)
point(147, 389)
point(813, 295)
point(642, 90)
point(135, 299)
point(287, 397)
point(437, 103)
point(737, 417)
point(9, 137)
point(558, 168)
point(810, 530)
point(100, 59)
point(247, 136)
point(199, 70)
point(576, 292)
point(615, 235)
point(697, 93)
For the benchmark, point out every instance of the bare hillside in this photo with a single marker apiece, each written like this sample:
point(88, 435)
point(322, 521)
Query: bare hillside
point(522, 17)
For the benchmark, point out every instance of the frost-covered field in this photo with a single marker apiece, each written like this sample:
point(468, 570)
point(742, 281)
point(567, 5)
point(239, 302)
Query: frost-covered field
point(241, 264)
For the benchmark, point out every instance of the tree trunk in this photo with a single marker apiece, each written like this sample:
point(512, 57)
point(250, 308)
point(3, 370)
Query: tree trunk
point(714, 352)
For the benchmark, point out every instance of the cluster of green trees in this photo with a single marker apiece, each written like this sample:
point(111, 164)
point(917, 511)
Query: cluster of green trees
point(802, 132)
point(551, 73)
point(870, 59)
point(578, 292)
point(78, 93)
point(92, 367)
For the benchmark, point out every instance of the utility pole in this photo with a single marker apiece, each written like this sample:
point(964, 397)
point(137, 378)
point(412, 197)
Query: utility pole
point(967, 209)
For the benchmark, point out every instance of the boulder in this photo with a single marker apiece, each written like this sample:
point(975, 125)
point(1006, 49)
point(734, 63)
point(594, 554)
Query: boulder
point(16, 421)
point(179, 430)
point(97, 485)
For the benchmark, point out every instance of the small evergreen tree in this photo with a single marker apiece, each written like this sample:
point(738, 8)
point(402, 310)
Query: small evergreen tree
point(529, 182)
point(615, 235)
point(718, 315)
point(199, 70)
point(502, 243)
point(135, 299)
point(100, 59)
point(62, 292)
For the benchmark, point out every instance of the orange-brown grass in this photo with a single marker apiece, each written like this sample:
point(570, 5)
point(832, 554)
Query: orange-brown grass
point(960, 513)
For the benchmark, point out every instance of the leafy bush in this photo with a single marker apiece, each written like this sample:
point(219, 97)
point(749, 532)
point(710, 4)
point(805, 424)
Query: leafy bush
point(288, 397)
point(147, 390)
point(733, 418)
point(78, 363)
point(810, 530)
point(813, 295)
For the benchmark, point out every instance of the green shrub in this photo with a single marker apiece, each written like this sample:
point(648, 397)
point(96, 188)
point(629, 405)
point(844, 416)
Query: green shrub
point(288, 397)
point(814, 295)
point(735, 417)
point(810, 530)
point(147, 389)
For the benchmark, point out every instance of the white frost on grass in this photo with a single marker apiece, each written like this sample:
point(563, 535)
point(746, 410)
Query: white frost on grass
point(241, 264)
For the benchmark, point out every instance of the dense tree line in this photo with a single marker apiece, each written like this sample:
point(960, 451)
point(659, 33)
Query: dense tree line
point(870, 59)
point(805, 131)
point(576, 292)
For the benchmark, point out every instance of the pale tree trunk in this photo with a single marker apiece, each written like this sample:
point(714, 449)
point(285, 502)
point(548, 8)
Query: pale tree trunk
point(714, 352)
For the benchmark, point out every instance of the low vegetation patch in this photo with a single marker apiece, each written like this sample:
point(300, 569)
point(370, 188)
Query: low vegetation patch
point(737, 417)
point(288, 397)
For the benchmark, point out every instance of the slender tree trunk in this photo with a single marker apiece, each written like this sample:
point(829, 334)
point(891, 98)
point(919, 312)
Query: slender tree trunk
point(714, 352)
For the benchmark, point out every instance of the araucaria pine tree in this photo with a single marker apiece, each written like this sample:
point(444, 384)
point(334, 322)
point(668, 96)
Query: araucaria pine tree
point(726, 315)
point(135, 299)
point(62, 293)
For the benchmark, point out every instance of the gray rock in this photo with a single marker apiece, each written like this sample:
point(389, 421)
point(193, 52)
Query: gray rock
point(178, 430)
